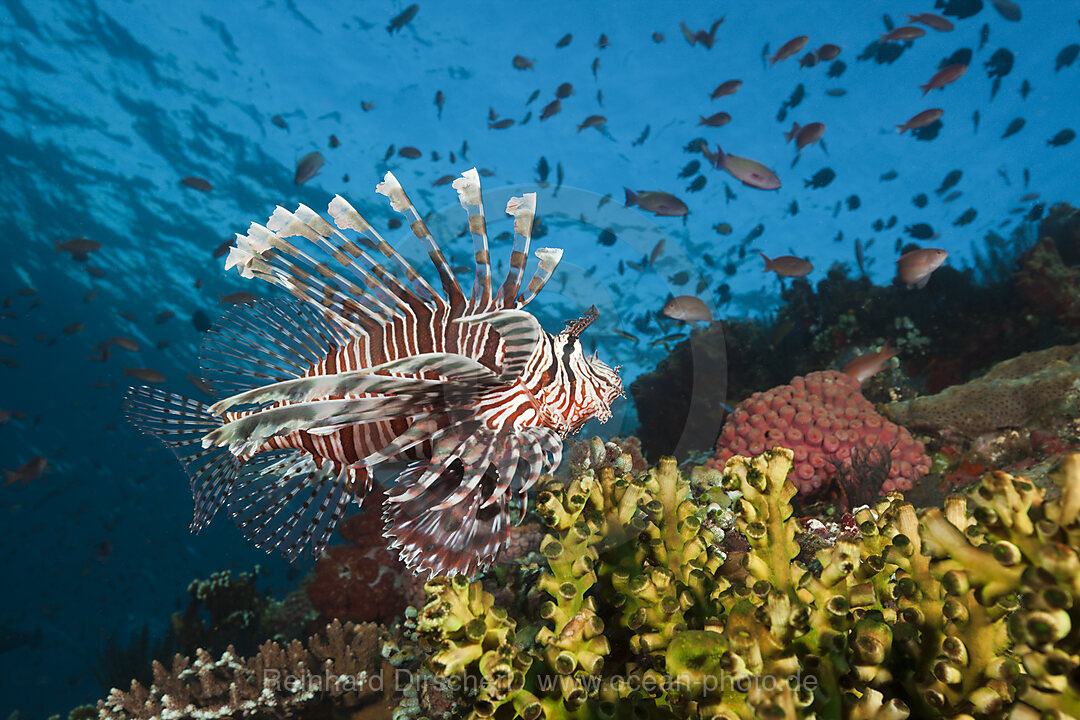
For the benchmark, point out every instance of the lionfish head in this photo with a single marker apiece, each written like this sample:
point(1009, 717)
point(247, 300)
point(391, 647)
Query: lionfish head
point(596, 384)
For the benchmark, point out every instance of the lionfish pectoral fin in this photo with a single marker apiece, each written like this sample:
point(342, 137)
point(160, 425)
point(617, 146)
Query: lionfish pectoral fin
point(459, 539)
point(286, 501)
point(520, 332)
point(248, 432)
point(180, 424)
point(271, 340)
point(325, 386)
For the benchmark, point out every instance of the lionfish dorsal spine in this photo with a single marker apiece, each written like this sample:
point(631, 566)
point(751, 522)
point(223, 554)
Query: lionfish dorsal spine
point(472, 200)
point(549, 260)
point(399, 201)
point(523, 209)
point(347, 218)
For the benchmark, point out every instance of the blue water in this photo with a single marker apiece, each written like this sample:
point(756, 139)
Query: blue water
point(106, 105)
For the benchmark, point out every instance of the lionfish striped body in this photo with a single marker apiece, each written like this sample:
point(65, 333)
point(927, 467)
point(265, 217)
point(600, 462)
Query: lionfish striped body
point(361, 367)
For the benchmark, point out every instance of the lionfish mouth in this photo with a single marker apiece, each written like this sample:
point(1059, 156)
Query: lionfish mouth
point(367, 363)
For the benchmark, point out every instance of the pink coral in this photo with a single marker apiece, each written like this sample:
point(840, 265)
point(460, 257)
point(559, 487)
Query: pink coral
point(822, 417)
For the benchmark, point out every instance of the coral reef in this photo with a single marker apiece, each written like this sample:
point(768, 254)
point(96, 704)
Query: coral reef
point(958, 612)
point(829, 425)
point(337, 671)
point(360, 581)
point(1048, 286)
point(1026, 390)
point(223, 610)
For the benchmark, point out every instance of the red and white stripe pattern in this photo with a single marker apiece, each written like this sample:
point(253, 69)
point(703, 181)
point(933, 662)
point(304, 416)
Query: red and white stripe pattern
point(470, 388)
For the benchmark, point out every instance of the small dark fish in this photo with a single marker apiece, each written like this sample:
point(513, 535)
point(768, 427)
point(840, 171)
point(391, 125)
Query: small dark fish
point(975, 121)
point(240, 297)
point(836, 69)
point(520, 62)
point(558, 184)
point(891, 221)
point(950, 180)
point(1025, 90)
point(1036, 212)
point(1014, 127)
point(201, 321)
point(145, 374)
point(1066, 57)
point(697, 184)
point(836, 92)
point(403, 18)
point(595, 66)
point(680, 278)
point(564, 40)
point(79, 248)
point(440, 100)
point(788, 49)
point(1007, 9)
point(1062, 138)
point(1000, 63)
point(890, 175)
point(389, 153)
point(690, 169)
point(535, 94)
point(280, 122)
point(878, 225)
point(641, 138)
point(564, 91)
point(308, 167)
point(808, 60)
point(542, 169)
point(443, 180)
point(984, 35)
point(409, 152)
point(965, 218)
point(501, 124)
point(715, 120)
point(196, 183)
point(73, 328)
point(953, 195)
point(334, 142)
point(607, 237)
point(920, 200)
point(721, 229)
point(593, 121)
point(551, 109)
point(163, 316)
point(853, 202)
point(920, 231)
point(728, 87)
point(658, 37)
point(796, 97)
point(394, 223)
point(757, 231)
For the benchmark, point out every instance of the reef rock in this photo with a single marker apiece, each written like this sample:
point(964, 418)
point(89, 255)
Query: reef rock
point(824, 418)
point(1015, 393)
point(1048, 286)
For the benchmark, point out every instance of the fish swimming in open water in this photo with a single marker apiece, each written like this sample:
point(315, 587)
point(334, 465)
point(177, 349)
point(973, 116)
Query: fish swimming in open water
point(364, 366)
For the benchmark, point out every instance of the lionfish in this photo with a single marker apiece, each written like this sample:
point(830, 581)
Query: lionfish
point(362, 366)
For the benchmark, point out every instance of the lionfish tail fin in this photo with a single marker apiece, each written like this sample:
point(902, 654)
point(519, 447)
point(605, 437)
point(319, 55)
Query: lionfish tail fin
point(461, 538)
point(180, 424)
point(287, 501)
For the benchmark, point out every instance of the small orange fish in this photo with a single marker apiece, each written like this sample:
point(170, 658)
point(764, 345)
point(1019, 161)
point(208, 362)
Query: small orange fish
point(593, 121)
point(125, 342)
point(789, 48)
point(715, 120)
point(926, 117)
point(914, 268)
point(72, 328)
point(787, 265)
point(906, 33)
point(869, 364)
point(31, 470)
point(805, 135)
point(827, 52)
point(749, 172)
point(687, 308)
point(931, 20)
point(944, 76)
